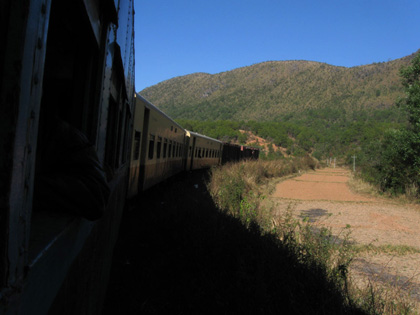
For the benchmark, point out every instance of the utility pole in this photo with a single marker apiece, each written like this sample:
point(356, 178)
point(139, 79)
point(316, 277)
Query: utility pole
point(354, 163)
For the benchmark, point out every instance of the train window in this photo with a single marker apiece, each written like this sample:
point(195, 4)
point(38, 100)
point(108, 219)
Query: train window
point(165, 147)
point(70, 99)
point(151, 146)
point(173, 150)
point(190, 151)
point(170, 149)
point(158, 148)
point(71, 70)
point(111, 134)
point(137, 137)
point(125, 148)
point(176, 129)
point(119, 138)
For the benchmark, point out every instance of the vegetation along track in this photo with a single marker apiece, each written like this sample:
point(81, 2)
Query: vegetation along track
point(386, 234)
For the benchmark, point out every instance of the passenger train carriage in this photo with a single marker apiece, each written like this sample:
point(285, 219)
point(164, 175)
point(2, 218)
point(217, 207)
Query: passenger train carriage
point(202, 152)
point(157, 147)
point(71, 64)
point(162, 148)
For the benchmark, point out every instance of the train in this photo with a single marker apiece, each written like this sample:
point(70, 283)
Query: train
point(162, 148)
point(70, 113)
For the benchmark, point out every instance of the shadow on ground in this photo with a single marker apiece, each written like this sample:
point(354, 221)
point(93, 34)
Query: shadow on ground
point(313, 215)
point(177, 254)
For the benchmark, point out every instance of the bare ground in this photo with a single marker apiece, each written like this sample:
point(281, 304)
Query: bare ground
point(325, 198)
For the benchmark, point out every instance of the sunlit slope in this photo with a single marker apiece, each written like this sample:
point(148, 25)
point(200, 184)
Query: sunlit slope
point(271, 89)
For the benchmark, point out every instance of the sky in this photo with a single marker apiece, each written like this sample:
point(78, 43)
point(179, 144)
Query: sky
point(180, 37)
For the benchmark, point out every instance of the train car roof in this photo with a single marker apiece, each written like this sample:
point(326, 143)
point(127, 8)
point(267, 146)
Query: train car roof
point(241, 145)
point(153, 107)
point(202, 136)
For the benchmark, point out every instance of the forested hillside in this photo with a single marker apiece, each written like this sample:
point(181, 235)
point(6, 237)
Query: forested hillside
point(271, 90)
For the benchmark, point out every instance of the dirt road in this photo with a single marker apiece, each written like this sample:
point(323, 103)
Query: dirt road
point(325, 198)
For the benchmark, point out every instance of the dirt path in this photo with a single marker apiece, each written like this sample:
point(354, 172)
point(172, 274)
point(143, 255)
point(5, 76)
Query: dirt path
point(325, 198)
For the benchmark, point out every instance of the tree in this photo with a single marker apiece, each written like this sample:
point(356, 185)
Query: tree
point(411, 102)
point(400, 158)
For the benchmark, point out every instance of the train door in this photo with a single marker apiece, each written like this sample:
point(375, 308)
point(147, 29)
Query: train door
point(186, 152)
point(144, 149)
point(193, 150)
point(134, 176)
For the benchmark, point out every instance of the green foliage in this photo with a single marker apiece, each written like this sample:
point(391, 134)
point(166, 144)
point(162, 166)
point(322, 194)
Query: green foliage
point(411, 102)
point(221, 129)
point(394, 164)
point(321, 133)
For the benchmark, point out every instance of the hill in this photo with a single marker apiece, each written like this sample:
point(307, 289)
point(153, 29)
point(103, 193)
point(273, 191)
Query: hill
point(273, 89)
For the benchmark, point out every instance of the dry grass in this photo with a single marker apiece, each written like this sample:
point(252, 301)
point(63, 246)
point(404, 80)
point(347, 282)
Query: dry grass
point(358, 185)
point(398, 250)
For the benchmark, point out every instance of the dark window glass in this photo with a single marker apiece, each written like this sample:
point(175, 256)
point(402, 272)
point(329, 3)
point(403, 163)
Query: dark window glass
point(165, 147)
point(151, 147)
point(158, 148)
point(137, 137)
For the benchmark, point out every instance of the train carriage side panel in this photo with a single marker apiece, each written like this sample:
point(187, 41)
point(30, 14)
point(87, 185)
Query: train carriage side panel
point(136, 149)
point(68, 257)
point(162, 147)
point(204, 151)
point(82, 291)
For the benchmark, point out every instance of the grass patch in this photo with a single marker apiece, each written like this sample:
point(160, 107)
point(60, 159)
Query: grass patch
point(399, 250)
point(358, 185)
point(361, 186)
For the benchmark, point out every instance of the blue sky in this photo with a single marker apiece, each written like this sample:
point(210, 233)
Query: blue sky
point(179, 37)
